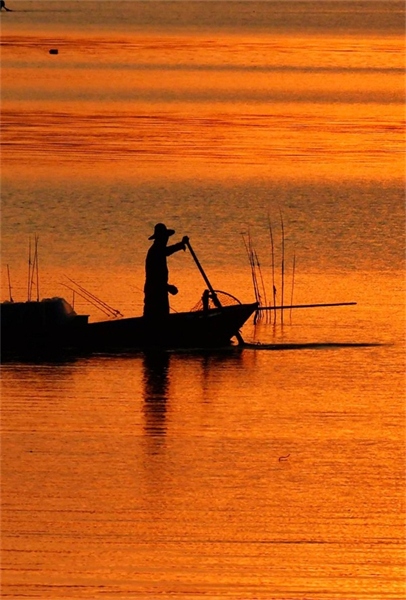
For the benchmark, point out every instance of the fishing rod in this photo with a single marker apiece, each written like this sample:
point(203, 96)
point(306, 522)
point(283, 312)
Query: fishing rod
point(105, 311)
point(210, 287)
point(114, 312)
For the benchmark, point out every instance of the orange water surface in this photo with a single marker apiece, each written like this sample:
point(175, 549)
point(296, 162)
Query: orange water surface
point(249, 472)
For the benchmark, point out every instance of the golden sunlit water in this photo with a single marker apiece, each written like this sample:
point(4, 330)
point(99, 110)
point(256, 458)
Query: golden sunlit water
point(274, 471)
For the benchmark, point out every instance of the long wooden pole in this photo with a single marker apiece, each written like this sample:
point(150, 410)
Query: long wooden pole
point(210, 287)
point(203, 274)
point(283, 307)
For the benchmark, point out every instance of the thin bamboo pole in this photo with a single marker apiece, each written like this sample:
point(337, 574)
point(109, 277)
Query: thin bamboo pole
point(258, 298)
point(322, 305)
point(293, 284)
point(29, 270)
point(252, 266)
point(37, 266)
point(282, 263)
point(34, 266)
point(261, 279)
point(272, 264)
point(9, 284)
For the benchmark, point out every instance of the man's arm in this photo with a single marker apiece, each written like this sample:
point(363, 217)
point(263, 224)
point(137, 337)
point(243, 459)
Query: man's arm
point(175, 248)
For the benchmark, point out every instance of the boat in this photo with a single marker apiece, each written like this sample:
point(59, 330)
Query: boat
point(53, 325)
point(205, 328)
point(36, 326)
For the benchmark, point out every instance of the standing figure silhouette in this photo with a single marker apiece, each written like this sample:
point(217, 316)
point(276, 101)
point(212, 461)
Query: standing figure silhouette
point(157, 288)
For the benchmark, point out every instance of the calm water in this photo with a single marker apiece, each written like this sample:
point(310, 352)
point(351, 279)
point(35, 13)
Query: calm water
point(243, 473)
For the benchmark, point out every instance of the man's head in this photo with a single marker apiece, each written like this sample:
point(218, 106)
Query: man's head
point(161, 232)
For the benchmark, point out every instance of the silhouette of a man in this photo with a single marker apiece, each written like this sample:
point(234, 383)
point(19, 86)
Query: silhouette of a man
point(157, 288)
point(3, 5)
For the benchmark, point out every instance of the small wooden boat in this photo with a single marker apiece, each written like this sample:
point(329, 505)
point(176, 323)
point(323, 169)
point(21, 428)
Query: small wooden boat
point(50, 325)
point(210, 328)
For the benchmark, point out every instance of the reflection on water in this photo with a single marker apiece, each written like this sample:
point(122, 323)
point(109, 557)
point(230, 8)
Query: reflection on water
point(162, 475)
point(301, 137)
point(301, 104)
point(156, 389)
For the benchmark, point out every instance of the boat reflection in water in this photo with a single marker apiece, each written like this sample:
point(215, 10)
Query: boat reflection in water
point(156, 388)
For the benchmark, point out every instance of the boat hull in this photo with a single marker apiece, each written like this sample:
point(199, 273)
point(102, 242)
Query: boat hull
point(26, 331)
point(201, 329)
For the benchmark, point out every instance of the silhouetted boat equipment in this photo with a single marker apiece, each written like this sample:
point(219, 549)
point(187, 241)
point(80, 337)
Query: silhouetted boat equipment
point(213, 292)
point(30, 327)
point(52, 324)
point(36, 326)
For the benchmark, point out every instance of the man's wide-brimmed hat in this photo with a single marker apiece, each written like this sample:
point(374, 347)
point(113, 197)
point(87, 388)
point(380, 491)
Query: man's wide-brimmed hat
point(161, 231)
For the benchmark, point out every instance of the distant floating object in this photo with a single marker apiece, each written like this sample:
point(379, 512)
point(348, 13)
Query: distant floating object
point(54, 51)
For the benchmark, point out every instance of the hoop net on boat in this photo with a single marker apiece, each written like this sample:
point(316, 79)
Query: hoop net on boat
point(224, 298)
